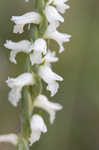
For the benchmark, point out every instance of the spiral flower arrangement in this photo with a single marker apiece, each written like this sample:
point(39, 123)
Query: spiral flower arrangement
point(27, 89)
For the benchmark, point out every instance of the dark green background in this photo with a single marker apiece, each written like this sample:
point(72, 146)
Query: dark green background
point(77, 125)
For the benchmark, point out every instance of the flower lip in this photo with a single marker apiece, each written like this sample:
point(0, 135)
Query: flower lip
point(28, 18)
point(39, 45)
point(49, 77)
point(16, 85)
point(42, 102)
point(17, 47)
point(37, 127)
point(52, 14)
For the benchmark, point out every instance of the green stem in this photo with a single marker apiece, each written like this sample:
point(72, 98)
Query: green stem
point(29, 93)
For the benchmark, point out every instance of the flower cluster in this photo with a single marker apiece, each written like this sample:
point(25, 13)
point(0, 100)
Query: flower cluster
point(40, 56)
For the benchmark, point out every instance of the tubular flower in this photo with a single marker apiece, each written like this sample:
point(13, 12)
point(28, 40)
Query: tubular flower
point(46, 73)
point(60, 38)
point(21, 21)
point(39, 47)
point(50, 57)
point(16, 85)
point(37, 127)
point(52, 14)
point(17, 47)
point(42, 102)
point(60, 5)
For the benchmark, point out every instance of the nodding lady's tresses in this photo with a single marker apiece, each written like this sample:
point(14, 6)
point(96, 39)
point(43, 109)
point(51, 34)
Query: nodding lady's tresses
point(26, 89)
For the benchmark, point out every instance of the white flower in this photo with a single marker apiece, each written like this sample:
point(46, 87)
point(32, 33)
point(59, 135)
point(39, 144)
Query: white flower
point(10, 138)
point(16, 85)
point(21, 21)
point(37, 127)
point(60, 38)
point(39, 47)
point(60, 5)
point(50, 78)
point(42, 102)
point(52, 15)
point(50, 57)
point(16, 47)
point(36, 58)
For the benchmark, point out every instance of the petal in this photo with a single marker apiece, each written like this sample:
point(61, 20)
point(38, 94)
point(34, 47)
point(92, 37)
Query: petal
point(53, 87)
point(52, 15)
point(37, 123)
point(17, 47)
point(37, 127)
point(18, 28)
point(14, 96)
point(60, 38)
point(34, 137)
point(10, 138)
point(24, 79)
point(40, 46)
point(50, 78)
point(16, 85)
point(21, 21)
point(50, 57)
point(61, 6)
point(42, 102)
point(48, 75)
point(36, 58)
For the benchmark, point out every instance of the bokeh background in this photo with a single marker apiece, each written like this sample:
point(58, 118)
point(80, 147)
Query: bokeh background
point(77, 125)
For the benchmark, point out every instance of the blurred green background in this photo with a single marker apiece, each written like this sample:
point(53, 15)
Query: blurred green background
point(77, 125)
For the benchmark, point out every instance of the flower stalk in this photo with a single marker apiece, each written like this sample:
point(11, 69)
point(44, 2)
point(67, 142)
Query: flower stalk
point(27, 89)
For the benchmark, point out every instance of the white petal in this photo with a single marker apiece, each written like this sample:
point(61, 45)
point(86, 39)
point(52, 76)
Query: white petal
point(17, 47)
point(50, 57)
point(21, 21)
point(60, 38)
point(16, 85)
point(39, 45)
point(35, 136)
point(36, 58)
point(37, 127)
point(24, 79)
point(10, 138)
point(52, 15)
point(50, 78)
point(53, 87)
point(18, 28)
point(60, 5)
point(14, 96)
point(42, 102)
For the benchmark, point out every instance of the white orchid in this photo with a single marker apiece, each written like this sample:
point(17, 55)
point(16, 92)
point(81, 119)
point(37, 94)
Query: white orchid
point(42, 102)
point(50, 57)
point(17, 47)
point(39, 47)
point(50, 77)
point(61, 5)
point(60, 38)
point(37, 127)
point(28, 18)
point(52, 14)
point(16, 85)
